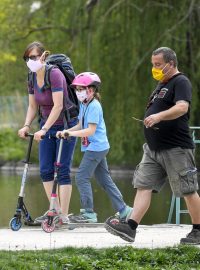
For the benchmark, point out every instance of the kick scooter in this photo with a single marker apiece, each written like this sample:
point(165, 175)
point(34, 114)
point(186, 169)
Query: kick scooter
point(53, 218)
point(21, 210)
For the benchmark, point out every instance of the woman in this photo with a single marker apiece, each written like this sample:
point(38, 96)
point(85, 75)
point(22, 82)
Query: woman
point(50, 104)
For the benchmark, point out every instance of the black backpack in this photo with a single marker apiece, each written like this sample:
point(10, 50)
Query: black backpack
point(63, 62)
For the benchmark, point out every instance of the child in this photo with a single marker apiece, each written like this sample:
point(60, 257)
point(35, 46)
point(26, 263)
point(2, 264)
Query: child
point(94, 143)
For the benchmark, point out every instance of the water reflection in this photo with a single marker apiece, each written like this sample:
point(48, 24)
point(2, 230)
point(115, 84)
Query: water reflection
point(37, 204)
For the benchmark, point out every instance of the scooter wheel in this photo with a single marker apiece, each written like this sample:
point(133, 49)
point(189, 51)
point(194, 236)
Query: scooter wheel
point(48, 228)
point(15, 224)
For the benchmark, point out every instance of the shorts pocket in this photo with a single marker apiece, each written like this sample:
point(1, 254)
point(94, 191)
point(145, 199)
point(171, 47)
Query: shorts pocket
point(188, 181)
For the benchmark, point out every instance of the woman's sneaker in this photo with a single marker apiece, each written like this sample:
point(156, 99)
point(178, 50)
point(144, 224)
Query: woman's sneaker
point(40, 219)
point(120, 228)
point(65, 219)
point(84, 217)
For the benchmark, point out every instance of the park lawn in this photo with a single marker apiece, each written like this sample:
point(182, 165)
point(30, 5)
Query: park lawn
point(127, 258)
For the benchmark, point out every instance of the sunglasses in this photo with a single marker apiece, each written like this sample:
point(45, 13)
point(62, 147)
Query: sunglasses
point(32, 57)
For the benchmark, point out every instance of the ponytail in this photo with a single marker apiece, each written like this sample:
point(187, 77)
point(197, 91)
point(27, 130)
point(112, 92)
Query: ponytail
point(97, 95)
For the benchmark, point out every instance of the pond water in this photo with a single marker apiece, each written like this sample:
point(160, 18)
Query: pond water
point(36, 201)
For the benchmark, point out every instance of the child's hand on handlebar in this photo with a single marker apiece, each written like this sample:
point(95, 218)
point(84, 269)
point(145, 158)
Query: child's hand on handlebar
point(59, 134)
point(62, 134)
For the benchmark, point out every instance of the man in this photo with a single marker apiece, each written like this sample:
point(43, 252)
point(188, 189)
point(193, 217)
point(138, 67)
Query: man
point(168, 151)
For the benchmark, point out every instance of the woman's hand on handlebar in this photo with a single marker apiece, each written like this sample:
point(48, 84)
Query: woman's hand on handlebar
point(22, 133)
point(39, 135)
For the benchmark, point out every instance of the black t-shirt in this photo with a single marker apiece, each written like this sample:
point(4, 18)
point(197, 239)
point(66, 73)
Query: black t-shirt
point(170, 133)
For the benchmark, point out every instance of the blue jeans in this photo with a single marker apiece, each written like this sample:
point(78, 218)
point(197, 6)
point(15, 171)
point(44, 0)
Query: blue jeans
point(48, 150)
point(95, 163)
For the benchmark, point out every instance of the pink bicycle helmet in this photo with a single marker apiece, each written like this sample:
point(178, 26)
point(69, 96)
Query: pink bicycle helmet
point(86, 79)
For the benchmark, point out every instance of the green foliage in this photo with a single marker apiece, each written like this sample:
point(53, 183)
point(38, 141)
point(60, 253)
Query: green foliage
point(114, 39)
point(12, 148)
point(126, 258)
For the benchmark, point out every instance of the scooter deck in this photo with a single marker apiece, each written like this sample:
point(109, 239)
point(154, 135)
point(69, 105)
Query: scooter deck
point(72, 226)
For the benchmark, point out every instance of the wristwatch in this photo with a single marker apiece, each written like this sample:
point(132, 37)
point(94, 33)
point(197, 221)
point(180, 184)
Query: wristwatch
point(44, 128)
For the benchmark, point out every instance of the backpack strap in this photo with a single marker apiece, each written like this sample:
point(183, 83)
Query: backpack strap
point(47, 82)
point(31, 80)
point(68, 76)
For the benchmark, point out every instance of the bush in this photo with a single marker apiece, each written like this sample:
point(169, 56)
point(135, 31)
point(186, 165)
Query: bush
point(12, 148)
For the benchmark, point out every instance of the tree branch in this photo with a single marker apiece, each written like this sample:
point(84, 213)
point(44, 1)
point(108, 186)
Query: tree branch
point(167, 32)
point(90, 4)
point(141, 10)
point(112, 7)
point(44, 28)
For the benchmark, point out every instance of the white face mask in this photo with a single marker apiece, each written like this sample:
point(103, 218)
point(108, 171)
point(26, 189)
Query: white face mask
point(34, 65)
point(82, 95)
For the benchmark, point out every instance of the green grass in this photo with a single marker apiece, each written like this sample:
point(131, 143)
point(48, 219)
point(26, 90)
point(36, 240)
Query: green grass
point(127, 258)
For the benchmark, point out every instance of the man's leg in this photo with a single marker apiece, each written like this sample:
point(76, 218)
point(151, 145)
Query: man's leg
point(149, 176)
point(193, 206)
point(141, 204)
point(181, 169)
point(127, 230)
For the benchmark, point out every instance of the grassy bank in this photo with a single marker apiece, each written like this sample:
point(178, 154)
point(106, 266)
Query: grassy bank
point(126, 258)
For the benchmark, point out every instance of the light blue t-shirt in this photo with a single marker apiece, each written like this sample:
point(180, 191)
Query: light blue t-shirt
point(93, 114)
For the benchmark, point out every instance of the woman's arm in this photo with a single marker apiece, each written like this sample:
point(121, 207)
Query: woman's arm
point(32, 110)
point(30, 115)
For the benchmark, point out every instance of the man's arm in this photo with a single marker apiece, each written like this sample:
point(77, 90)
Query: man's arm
point(174, 112)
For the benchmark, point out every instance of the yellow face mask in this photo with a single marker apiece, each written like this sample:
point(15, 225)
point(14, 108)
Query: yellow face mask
point(158, 73)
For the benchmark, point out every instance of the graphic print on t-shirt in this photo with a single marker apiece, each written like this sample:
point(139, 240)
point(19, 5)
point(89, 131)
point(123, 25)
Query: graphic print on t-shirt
point(162, 93)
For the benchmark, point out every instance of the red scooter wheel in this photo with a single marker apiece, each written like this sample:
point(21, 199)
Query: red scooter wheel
point(48, 228)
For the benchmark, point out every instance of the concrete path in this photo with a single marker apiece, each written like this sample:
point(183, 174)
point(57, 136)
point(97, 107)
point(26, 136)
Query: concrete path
point(34, 238)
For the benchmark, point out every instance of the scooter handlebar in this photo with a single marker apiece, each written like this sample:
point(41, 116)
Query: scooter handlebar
point(66, 135)
point(27, 134)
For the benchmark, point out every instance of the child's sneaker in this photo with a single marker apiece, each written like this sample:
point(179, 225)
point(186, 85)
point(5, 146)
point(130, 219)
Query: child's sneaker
point(126, 213)
point(84, 217)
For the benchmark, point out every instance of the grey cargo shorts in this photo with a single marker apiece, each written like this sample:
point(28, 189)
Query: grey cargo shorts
point(175, 164)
